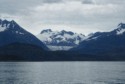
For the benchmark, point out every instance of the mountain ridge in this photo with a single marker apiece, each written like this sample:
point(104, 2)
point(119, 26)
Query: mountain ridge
point(102, 43)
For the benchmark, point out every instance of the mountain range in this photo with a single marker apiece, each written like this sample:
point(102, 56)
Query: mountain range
point(60, 40)
point(17, 44)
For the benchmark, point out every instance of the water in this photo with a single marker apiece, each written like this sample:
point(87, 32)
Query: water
point(62, 73)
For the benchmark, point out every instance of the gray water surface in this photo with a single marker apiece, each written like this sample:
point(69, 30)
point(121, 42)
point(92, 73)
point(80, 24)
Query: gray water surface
point(62, 72)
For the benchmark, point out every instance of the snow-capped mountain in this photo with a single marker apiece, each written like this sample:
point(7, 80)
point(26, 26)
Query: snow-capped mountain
point(120, 30)
point(103, 42)
point(11, 32)
point(60, 40)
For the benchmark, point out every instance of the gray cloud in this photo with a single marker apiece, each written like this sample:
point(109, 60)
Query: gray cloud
point(110, 1)
point(52, 1)
point(15, 6)
point(79, 15)
point(87, 1)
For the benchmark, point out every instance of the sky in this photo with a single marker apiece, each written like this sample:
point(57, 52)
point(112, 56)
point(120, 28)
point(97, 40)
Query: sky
point(80, 16)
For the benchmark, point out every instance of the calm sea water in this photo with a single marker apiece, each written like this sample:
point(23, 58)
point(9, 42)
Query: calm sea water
point(62, 72)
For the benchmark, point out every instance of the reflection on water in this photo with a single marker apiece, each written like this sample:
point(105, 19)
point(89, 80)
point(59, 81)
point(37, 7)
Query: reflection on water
point(62, 73)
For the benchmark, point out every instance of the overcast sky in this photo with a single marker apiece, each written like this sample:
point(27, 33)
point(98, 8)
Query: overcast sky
point(82, 16)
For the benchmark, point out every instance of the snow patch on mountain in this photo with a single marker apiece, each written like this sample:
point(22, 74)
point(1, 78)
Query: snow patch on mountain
point(94, 38)
point(2, 28)
point(120, 31)
point(54, 48)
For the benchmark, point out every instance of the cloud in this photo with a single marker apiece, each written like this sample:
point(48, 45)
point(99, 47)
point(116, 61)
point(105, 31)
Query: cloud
point(88, 2)
point(110, 2)
point(17, 6)
point(72, 12)
point(83, 16)
point(52, 1)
